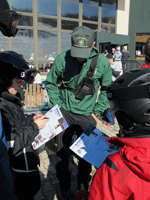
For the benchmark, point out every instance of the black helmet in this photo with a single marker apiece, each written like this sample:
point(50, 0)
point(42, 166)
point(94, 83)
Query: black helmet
point(129, 97)
point(13, 65)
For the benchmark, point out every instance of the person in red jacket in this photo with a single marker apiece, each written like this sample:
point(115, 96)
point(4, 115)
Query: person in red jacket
point(147, 54)
point(125, 175)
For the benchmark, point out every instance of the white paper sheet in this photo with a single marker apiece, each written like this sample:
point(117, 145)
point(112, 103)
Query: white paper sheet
point(55, 125)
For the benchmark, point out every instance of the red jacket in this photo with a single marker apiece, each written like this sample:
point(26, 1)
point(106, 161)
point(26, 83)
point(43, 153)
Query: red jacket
point(145, 66)
point(126, 174)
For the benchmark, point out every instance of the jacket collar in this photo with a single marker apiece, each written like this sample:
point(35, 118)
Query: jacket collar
point(10, 97)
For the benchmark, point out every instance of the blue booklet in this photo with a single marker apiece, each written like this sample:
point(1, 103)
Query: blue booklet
point(91, 146)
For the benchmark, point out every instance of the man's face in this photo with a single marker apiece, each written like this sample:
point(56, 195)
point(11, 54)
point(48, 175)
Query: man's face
point(16, 85)
point(81, 59)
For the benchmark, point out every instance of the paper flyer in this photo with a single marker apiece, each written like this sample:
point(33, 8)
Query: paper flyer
point(91, 146)
point(55, 125)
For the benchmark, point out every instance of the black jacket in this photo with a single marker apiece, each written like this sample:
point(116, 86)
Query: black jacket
point(20, 131)
point(125, 56)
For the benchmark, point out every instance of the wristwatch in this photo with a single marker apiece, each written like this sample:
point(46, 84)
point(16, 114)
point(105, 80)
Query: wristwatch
point(98, 115)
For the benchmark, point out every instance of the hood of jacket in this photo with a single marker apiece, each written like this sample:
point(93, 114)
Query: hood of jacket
point(10, 97)
point(135, 153)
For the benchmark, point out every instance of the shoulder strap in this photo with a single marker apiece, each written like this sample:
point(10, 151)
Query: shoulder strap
point(90, 73)
point(91, 70)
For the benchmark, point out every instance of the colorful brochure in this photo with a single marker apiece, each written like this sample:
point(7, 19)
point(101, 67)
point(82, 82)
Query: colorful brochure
point(55, 125)
point(91, 146)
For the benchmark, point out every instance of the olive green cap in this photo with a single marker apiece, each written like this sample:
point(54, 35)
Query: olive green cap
point(82, 40)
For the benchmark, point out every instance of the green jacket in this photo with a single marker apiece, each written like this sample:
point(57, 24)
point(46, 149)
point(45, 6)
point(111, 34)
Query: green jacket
point(67, 68)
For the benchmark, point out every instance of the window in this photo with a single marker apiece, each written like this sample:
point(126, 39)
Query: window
point(65, 41)
point(3, 43)
point(141, 39)
point(26, 21)
point(23, 43)
point(108, 29)
point(22, 5)
point(109, 13)
point(47, 7)
point(47, 44)
point(70, 8)
point(92, 26)
point(68, 25)
point(47, 23)
point(90, 10)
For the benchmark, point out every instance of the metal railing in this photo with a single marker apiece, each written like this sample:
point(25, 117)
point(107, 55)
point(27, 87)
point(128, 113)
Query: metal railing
point(132, 64)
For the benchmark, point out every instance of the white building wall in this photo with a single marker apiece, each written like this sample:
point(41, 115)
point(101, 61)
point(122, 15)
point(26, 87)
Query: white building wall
point(122, 21)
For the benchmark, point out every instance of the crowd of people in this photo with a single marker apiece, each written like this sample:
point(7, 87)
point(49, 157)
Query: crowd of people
point(120, 57)
point(82, 71)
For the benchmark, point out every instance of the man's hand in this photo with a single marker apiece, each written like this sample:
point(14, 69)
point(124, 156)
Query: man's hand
point(96, 119)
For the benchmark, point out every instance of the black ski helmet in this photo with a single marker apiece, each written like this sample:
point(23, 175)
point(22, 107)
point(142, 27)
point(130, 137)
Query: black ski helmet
point(13, 65)
point(129, 95)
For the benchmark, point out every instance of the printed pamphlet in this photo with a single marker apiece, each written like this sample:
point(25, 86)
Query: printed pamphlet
point(91, 146)
point(55, 125)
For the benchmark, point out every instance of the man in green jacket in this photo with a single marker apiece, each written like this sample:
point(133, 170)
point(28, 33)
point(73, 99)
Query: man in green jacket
point(80, 109)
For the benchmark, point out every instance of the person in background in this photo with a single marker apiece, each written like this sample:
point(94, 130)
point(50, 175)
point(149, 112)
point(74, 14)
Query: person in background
point(32, 56)
point(147, 54)
point(113, 51)
point(105, 52)
point(37, 78)
point(19, 129)
point(125, 57)
point(108, 115)
point(116, 71)
point(118, 57)
point(77, 98)
point(138, 53)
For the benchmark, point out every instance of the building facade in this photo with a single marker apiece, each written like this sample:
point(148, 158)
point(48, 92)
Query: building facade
point(139, 28)
point(46, 26)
